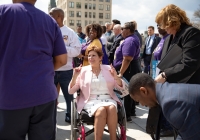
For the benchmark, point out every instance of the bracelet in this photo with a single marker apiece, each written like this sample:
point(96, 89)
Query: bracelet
point(163, 76)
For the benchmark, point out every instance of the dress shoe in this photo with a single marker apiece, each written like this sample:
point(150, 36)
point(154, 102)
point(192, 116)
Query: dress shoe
point(67, 119)
point(129, 119)
point(136, 103)
point(133, 114)
point(166, 133)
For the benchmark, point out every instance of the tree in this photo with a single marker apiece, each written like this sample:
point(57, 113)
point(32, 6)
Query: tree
point(196, 20)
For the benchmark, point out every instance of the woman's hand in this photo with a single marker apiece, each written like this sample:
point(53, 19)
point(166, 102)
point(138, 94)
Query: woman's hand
point(113, 71)
point(77, 70)
point(160, 79)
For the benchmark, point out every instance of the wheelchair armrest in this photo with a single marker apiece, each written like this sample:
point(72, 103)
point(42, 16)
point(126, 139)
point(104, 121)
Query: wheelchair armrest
point(117, 91)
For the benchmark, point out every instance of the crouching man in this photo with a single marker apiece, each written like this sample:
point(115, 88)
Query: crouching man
point(180, 103)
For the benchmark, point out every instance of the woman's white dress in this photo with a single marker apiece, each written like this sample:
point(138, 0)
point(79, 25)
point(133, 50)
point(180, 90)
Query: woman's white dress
point(99, 95)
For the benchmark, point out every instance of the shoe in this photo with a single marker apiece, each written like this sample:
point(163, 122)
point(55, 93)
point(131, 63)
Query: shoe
point(133, 114)
point(166, 133)
point(129, 119)
point(136, 103)
point(67, 119)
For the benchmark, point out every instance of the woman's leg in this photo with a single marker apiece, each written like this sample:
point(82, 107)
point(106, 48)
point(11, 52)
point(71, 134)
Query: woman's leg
point(112, 121)
point(99, 122)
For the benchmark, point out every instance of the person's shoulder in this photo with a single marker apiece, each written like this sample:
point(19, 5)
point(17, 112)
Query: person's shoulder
point(105, 66)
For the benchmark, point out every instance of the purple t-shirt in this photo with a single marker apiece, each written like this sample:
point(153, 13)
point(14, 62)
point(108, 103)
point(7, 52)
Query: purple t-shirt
point(130, 47)
point(158, 50)
point(29, 39)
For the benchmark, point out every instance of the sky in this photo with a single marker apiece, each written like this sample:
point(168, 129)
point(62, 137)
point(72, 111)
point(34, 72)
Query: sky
point(142, 11)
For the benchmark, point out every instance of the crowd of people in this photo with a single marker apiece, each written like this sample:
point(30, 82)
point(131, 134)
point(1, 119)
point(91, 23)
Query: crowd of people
point(42, 55)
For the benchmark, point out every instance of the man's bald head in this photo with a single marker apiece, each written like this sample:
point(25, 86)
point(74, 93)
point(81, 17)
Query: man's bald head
point(57, 11)
point(58, 15)
point(117, 29)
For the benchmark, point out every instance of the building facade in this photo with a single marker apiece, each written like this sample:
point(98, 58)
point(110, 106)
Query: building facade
point(84, 12)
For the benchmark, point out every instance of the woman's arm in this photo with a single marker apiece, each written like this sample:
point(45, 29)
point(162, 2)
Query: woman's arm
point(74, 84)
point(125, 64)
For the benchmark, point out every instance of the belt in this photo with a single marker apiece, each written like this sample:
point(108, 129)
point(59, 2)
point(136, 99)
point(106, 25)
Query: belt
point(148, 54)
point(101, 96)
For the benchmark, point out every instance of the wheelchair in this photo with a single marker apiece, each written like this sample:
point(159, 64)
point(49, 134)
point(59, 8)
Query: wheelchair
point(78, 121)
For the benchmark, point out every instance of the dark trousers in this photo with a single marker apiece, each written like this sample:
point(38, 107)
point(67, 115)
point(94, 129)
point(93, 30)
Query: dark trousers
point(63, 78)
point(38, 122)
point(134, 68)
point(147, 62)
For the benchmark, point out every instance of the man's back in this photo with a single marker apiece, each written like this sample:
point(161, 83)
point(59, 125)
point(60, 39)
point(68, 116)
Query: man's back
point(28, 41)
point(181, 107)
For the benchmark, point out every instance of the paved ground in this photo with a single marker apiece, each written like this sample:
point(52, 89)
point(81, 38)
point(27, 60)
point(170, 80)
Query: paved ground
point(135, 131)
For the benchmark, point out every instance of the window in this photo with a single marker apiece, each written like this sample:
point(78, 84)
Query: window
point(86, 23)
point(71, 13)
point(100, 6)
point(90, 22)
point(101, 0)
point(90, 6)
point(94, 15)
point(107, 0)
point(90, 14)
point(100, 15)
point(86, 5)
point(78, 14)
point(101, 22)
point(94, 6)
point(78, 5)
point(78, 23)
point(85, 14)
point(107, 7)
point(107, 16)
point(71, 4)
point(71, 22)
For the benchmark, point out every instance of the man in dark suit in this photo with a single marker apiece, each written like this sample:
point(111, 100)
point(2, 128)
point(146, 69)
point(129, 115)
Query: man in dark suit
point(111, 37)
point(150, 44)
point(117, 39)
point(180, 103)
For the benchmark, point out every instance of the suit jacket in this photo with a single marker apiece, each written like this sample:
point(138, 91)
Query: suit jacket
point(115, 44)
point(156, 40)
point(187, 69)
point(180, 104)
point(110, 40)
point(83, 83)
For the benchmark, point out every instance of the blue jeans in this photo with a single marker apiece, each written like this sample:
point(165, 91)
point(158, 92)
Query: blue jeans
point(63, 78)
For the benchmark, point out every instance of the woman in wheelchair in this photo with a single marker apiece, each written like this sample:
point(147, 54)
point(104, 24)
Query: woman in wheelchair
point(96, 82)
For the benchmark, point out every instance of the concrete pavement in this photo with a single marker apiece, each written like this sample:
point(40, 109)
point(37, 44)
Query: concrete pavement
point(135, 130)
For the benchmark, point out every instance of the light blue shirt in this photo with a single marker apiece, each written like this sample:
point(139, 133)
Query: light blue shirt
point(148, 46)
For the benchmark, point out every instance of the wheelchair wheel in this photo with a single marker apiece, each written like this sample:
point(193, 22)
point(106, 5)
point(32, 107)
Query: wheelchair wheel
point(81, 132)
point(73, 121)
point(121, 129)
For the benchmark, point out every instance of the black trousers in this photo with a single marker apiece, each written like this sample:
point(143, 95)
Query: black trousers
point(134, 68)
point(38, 122)
point(147, 62)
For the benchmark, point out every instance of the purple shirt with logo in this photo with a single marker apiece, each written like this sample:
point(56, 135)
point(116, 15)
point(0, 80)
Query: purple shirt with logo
point(29, 39)
point(158, 50)
point(130, 47)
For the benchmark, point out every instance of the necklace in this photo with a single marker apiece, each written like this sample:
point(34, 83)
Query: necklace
point(96, 72)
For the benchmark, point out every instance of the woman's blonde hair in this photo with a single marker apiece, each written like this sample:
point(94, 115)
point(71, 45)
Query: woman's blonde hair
point(172, 16)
